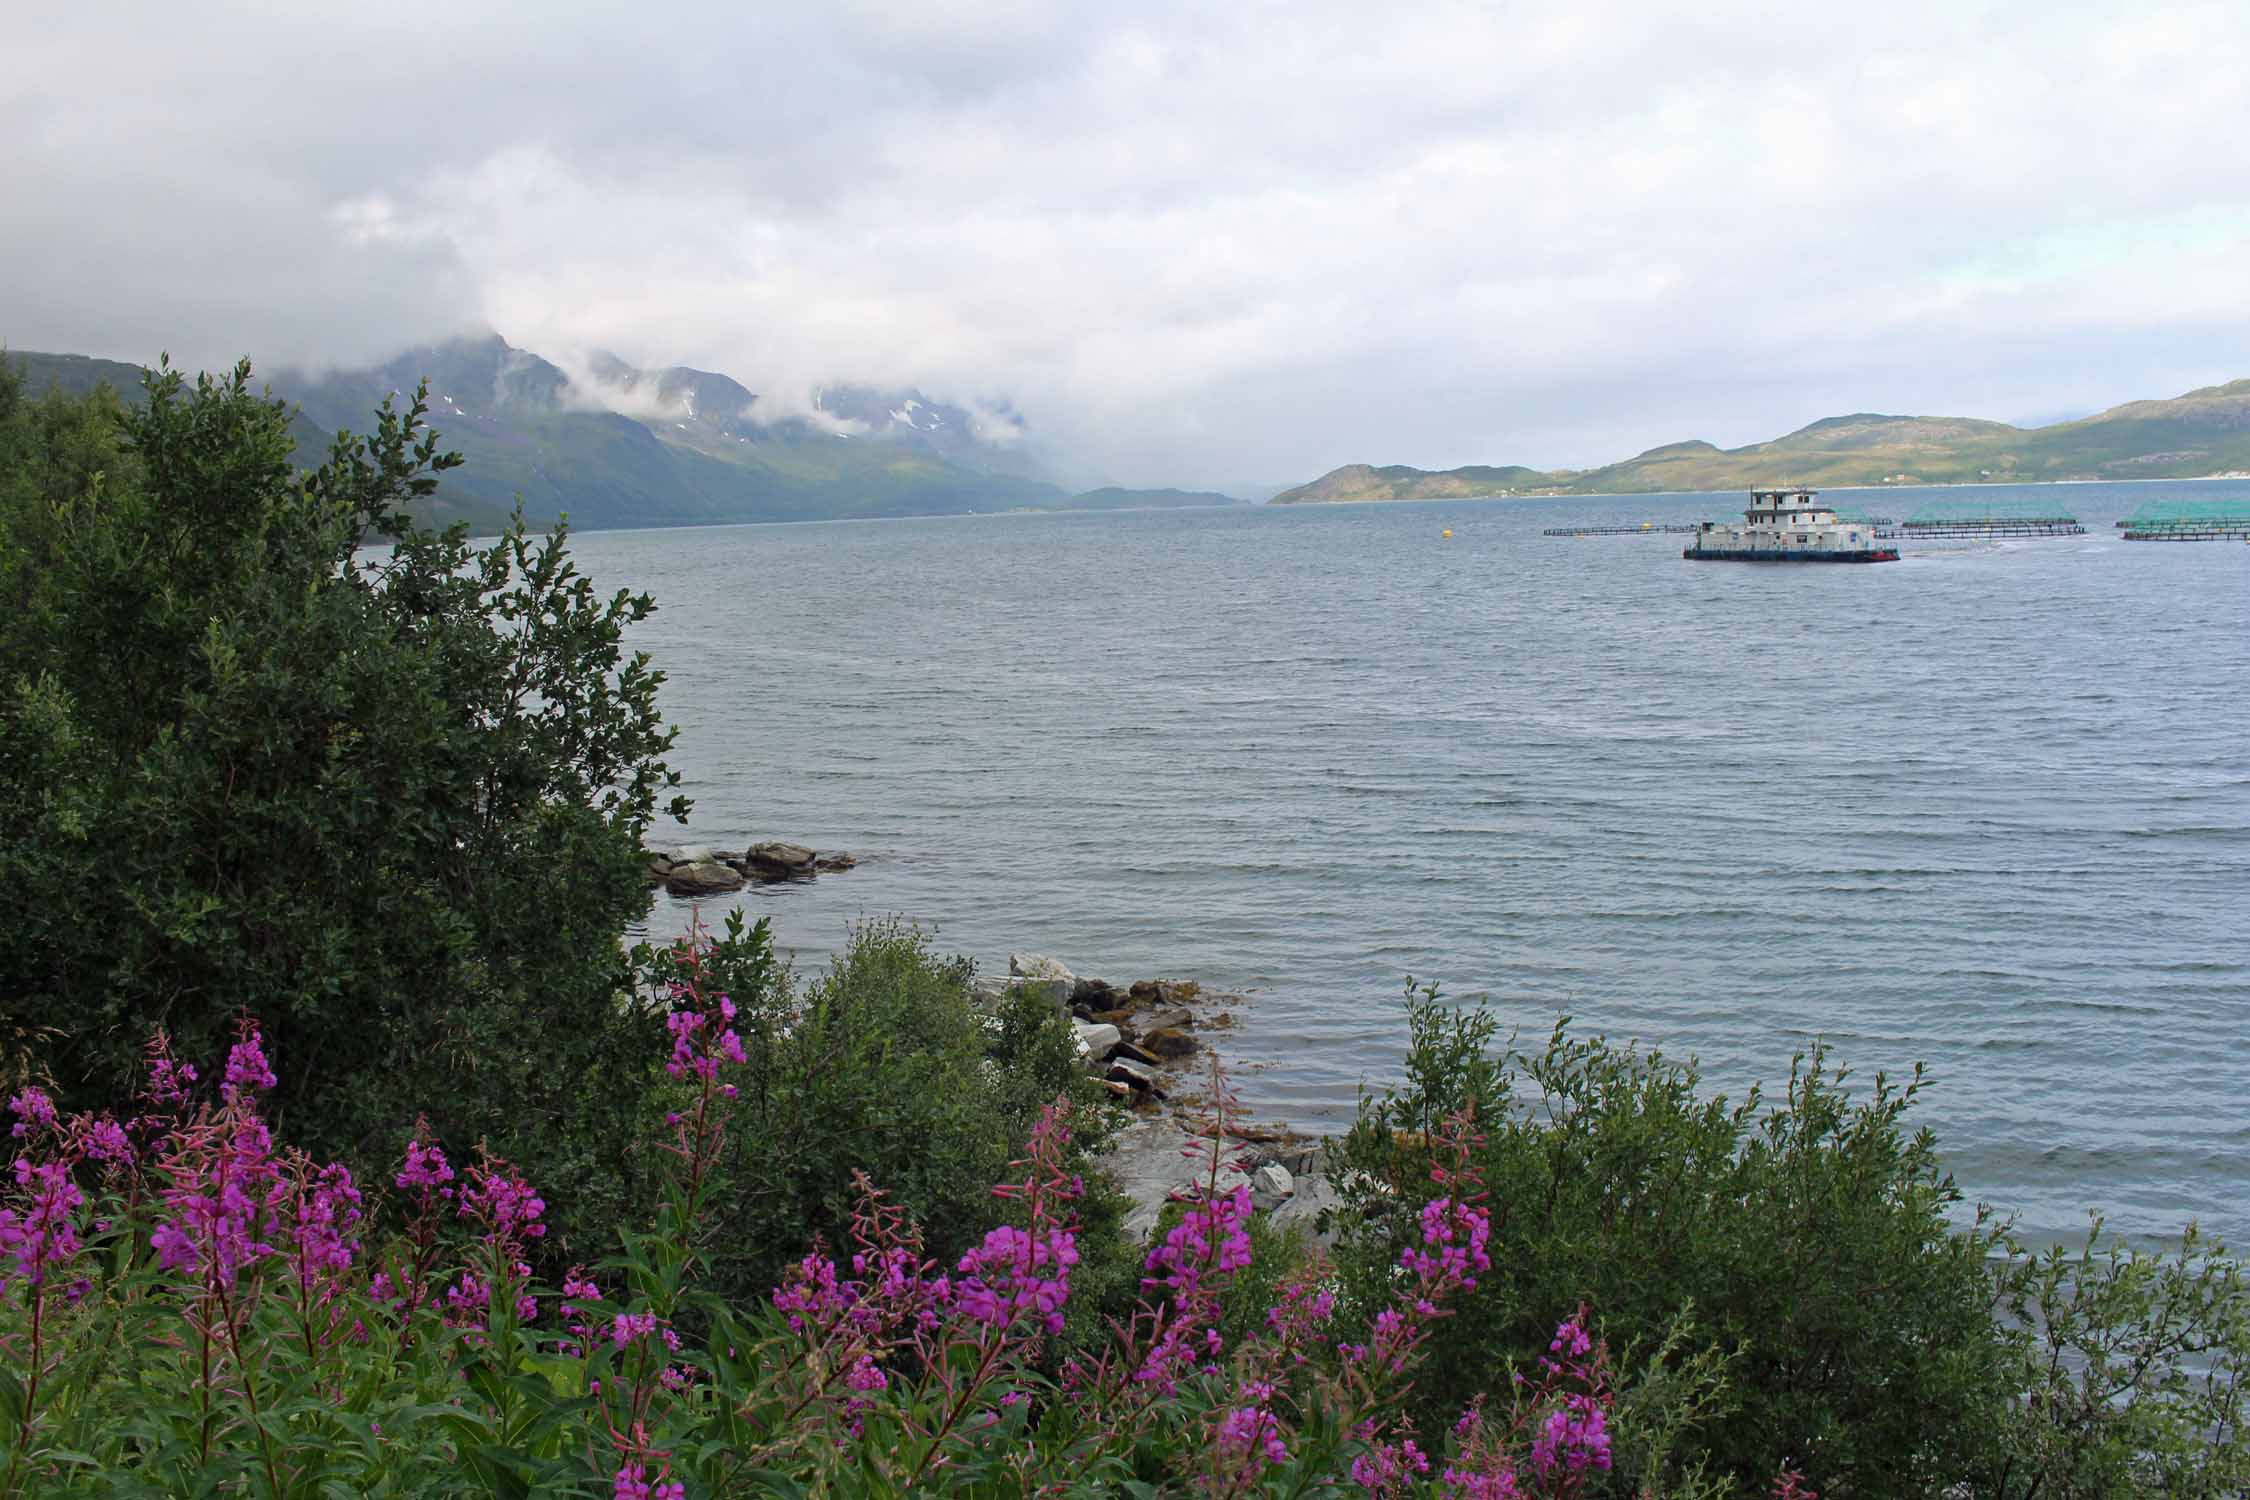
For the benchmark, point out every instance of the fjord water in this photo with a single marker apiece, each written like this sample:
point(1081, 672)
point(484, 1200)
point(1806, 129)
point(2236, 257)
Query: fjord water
point(1986, 808)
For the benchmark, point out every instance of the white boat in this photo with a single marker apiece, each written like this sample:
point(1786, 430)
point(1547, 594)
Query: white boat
point(1790, 525)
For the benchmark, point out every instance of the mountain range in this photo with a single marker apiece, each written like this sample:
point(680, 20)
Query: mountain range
point(620, 446)
point(2203, 432)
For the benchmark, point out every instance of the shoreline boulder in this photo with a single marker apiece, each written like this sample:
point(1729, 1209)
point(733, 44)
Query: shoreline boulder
point(704, 877)
point(778, 861)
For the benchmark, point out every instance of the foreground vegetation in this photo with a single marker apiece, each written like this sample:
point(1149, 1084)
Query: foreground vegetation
point(466, 1196)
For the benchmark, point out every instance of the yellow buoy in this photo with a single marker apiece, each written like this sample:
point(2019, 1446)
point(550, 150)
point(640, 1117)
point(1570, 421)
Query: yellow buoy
point(1448, 531)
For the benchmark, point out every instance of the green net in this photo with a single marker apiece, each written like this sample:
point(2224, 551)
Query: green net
point(1999, 510)
point(2227, 512)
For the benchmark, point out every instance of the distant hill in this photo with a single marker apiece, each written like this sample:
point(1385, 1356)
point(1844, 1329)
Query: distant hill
point(2203, 432)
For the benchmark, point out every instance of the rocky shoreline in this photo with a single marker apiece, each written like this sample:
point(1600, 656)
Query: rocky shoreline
point(699, 870)
point(1145, 1041)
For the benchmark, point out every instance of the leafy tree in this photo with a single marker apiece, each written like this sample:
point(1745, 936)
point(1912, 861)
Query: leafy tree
point(267, 747)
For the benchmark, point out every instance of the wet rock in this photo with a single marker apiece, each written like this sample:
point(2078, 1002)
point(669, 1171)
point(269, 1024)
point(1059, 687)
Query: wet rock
point(1313, 1196)
point(1094, 994)
point(1121, 1019)
point(779, 861)
point(1177, 1018)
point(1139, 1078)
point(1270, 1184)
point(834, 862)
point(1096, 1041)
point(1132, 1052)
point(1171, 1043)
point(705, 877)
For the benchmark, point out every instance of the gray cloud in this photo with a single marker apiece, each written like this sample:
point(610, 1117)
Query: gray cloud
point(1187, 242)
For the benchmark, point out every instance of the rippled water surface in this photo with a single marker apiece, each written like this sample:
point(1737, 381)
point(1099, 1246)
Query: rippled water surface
point(1987, 808)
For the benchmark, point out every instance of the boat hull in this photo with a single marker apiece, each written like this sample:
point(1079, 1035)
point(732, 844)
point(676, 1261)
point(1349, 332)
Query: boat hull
point(1789, 555)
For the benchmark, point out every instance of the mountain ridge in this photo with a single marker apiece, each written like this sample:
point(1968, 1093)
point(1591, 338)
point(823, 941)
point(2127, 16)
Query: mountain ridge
point(2203, 431)
point(618, 446)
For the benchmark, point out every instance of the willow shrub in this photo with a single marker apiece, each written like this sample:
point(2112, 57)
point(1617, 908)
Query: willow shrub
point(188, 1307)
point(1874, 1342)
point(885, 1065)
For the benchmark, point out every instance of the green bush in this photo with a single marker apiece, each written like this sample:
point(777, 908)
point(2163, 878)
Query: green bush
point(886, 1065)
point(2131, 1373)
point(1810, 1239)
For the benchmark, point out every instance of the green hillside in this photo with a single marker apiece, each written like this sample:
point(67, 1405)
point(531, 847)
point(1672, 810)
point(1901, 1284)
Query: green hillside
point(2203, 432)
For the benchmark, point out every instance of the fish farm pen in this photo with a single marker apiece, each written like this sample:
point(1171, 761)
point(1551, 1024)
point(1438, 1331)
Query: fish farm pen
point(1988, 516)
point(1646, 528)
point(2189, 521)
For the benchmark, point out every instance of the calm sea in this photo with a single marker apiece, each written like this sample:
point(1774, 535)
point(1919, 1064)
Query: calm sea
point(1987, 808)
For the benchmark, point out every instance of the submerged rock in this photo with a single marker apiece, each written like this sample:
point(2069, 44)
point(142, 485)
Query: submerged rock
point(1171, 1043)
point(780, 861)
point(706, 877)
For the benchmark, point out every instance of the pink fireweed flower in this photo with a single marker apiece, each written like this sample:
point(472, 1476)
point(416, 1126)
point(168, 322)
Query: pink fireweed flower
point(1570, 1340)
point(1574, 1438)
point(811, 1292)
point(1388, 1468)
point(701, 1040)
point(44, 1232)
point(34, 1113)
point(320, 1218)
point(222, 1195)
point(1015, 1272)
point(1253, 1433)
point(169, 1080)
point(104, 1140)
point(632, 1482)
point(1209, 1237)
point(247, 1072)
point(425, 1168)
point(505, 1203)
point(468, 1301)
point(626, 1327)
point(1453, 1244)
point(1498, 1483)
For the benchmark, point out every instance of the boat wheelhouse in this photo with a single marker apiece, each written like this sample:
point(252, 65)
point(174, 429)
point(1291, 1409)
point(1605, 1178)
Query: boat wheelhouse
point(1788, 525)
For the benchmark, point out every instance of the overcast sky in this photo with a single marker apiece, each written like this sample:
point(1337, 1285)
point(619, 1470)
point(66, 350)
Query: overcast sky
point(1197, 242)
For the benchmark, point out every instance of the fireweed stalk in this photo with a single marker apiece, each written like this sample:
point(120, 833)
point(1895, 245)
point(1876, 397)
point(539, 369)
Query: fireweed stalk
point(38, 1242)
point(704, 1048)
point(1352, 1396)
